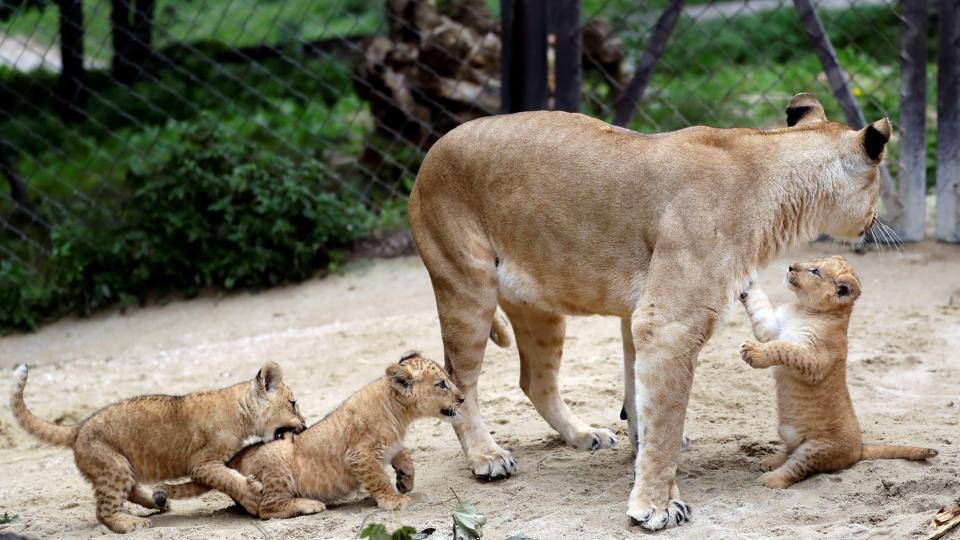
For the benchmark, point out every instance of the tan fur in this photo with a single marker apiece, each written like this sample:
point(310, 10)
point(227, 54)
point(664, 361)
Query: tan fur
point(349, 448)
point(154, 438)
point(806, 344)
point(549, 214)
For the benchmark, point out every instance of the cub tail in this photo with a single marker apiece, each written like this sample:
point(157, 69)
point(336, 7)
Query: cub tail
point(45, 431)
point(500, 331)
point(879, 451)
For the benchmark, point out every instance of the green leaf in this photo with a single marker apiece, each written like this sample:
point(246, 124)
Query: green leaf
point(467, 522)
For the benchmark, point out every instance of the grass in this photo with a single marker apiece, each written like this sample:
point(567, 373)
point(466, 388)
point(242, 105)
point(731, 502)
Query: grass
point(231, 22)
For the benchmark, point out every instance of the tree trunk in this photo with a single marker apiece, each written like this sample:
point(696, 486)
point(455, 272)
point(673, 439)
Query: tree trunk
point(131, 29)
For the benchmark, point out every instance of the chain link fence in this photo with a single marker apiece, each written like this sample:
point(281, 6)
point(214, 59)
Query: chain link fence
point(99, 99)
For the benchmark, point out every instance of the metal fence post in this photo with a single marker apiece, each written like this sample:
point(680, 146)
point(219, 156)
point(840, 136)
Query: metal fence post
point(565, 26)
point(913, 110)
point(523, 57)
point(948, 123)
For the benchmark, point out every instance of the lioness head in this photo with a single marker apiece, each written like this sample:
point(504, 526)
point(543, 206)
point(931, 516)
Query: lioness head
point(855, 181)
point(274, 407)
point(424, 386)
point(824, 284)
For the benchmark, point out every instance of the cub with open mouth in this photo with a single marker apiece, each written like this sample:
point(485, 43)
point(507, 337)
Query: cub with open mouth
point(349, 448)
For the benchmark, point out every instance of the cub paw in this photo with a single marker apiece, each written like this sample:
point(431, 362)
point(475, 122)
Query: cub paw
point(307, 507)
point(492, 465)
point(652, 518)
point(769, 463)
point(752, 353)
point(394, 502)
point(160, 500)
point(773, 480)
point(593, 440)
point(123, 523)
point(404, 482)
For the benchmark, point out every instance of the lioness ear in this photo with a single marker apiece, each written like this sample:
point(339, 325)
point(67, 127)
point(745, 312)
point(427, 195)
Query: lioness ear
point(400, 377)
point(875, 137)
point(804, 109)
point(269, 377)
point(848, 287)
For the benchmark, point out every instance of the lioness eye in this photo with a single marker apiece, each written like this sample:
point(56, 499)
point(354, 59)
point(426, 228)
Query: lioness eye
point(815, 272)
point(442, 384)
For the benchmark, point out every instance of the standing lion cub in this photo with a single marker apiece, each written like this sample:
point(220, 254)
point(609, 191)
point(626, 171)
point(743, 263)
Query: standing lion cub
point(806, 344)
point(349, 448)
point(153, 438)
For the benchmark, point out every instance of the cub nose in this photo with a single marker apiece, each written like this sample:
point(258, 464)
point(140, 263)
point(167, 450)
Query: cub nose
point(461, 400)
point(791, 268)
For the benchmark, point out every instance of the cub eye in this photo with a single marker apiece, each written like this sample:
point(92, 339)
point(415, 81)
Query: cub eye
point(815, 272)
point(442, 384)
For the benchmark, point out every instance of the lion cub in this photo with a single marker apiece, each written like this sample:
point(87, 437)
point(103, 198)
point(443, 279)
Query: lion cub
point(152, 438)
point(806, 344)
point(350, 447)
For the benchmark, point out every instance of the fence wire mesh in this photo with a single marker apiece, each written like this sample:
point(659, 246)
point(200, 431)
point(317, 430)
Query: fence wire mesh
point(93, 93)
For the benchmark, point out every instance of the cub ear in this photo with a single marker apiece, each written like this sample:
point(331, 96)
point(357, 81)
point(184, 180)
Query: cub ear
point(848, 287)
point(408, 355)
point(400, 378)
point(874, 139)
point(270, 377)
point(804, 109)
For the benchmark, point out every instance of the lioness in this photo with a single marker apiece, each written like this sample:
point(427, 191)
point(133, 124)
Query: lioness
point(550, 214)
point(151, 438)
point(349, 448)
point(806, 345)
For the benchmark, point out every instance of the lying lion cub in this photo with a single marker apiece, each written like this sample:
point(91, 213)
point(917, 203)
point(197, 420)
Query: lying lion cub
point(349, 448)
point(151, 438)
point(806, 343)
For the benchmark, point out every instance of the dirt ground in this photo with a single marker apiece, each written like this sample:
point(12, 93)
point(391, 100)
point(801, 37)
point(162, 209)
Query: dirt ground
point(333, 335)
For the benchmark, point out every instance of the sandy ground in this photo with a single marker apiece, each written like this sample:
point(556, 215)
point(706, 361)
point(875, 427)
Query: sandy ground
point(335, 334)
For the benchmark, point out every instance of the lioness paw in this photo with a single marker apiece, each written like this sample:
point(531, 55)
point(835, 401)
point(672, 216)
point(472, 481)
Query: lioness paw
point(492, 465)
point(654, 519)
point(593, 440)
point(752, 353)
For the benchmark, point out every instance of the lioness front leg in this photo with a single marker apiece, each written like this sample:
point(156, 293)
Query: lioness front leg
point(245, 490)
point(403, 465)
point(365, 466)
point(668, 332)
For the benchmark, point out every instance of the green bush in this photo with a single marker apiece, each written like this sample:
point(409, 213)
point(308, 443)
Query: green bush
point(207, 210)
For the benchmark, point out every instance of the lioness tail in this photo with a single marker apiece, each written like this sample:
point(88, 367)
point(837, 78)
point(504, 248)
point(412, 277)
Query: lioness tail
point(500, 331)
point(41, 429)
point(878, 451)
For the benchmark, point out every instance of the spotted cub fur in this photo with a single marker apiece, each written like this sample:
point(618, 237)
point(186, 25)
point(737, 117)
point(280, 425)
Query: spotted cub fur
point(350, 447)
point(806, 345)
point(155, 438)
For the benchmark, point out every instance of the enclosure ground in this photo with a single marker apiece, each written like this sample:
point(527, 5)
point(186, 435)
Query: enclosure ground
point(333, 335)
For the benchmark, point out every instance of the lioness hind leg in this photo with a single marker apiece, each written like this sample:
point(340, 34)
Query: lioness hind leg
point(539, 338)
